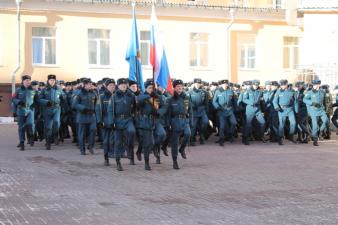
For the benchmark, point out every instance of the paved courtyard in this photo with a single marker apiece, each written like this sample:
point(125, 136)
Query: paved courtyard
point(231, 185)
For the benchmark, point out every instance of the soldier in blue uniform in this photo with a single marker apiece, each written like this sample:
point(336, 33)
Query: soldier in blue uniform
point(148, 106)
point(123, 111)
point(253, 98)
point(271, 114)
point(88, 108)
point(35, 86)
point(314, 99)
point(224, 102)
point(285, 103)
point(51, 98)
point(24, 100)
point(108, 132)
point(199, 102)
point(180, 114)
point(335, 114)
point(302, 117)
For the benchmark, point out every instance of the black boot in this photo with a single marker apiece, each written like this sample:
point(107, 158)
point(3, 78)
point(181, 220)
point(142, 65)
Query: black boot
point(31, 140)
point(158, 160)
point(48, 144)
point(118, 164)
point(106, 160)
point(146, 164)
point(165, 150)
point(291, 138)
point(245, 141)
point(182, 151)
point(22, 146)
point(315, 142)
point(91, 150)
point(56, 140)
point(221, 142)
point(192, 143)
point(175, 165)
point(132, 161)
point(280, 141)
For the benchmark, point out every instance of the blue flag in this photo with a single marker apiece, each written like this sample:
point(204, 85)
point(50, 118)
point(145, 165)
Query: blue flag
point(133, 55)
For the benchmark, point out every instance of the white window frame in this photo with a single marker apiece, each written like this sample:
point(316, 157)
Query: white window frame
point(147, 42)
point(291, 47)
point(98, 49)
point(198, 51)
point(44, 64)
point(246, 56)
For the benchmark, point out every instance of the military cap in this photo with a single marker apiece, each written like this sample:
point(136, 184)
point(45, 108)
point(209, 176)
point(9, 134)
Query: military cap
point(205, 83)
point(248, 82)
point(283, 82)
point(325, 87)
point(86, 81)
point(214, 83)
point(109, 81)
point(74, 83)
point(256, 82)
point(34, 82)
point(26, 77)
point(61, 82)
point(68, 83)
point(274, 83)
point(336, 87)
point(122, 81)
point(148, 83)
point(51, 76)
point(131, 82)
point(223, 82)
point(316, 82)
point(231, 84)
point(237, 86)
point(299, 83)
point(197, 80)
point(42, 84)
point(177, 82)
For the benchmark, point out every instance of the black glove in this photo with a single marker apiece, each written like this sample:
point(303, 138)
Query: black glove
point(85, 110)
point(100, 125)
point(153, 95)
point(22, 103)
point(49, 104)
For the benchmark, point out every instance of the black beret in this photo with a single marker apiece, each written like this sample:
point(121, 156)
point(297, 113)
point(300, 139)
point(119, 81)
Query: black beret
point(34, 82)
point(177, 82)
point(131, 82)
point(316, 82)
point(26, 77)
point(223, 82)
point(148, 83)
point(109, 81)
point(122, 81)
point(51, 76)
point(198, 80)
point(283, 82)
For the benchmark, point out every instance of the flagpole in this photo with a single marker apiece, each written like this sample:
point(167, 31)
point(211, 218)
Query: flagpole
point(136, 66)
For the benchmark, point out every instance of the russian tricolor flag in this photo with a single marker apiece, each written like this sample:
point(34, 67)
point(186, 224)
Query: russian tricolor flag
point(158, 57)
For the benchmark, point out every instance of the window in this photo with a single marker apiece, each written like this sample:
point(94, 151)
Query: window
point(44, 45)
point(199, 49)
point(248, 56)
point(99, 47)
point(290, 53)
point(145, 47)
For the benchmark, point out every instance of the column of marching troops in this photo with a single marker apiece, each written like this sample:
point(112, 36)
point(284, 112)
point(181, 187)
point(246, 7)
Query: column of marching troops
point(118, 114)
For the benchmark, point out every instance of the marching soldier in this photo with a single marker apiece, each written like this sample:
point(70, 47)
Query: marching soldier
point(328, 108)
point(24, 100)
point(108, 132)
point(284, 102)
point(199, 102)
point(314, 99)
point(224, 102)
point(302, 117)
point(253, 98)
point(180, 114)
point(271, 113)
point(123, 110)
point(335, 114)
point(87, 104)
point(50, 98)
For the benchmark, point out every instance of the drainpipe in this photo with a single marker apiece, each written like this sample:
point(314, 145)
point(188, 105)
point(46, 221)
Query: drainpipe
point(18, 66)
point(228, 29)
